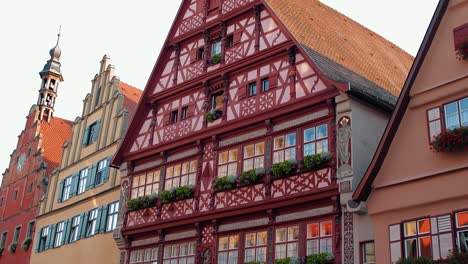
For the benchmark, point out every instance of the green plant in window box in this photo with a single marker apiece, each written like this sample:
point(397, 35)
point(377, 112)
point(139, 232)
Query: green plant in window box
point(282, 169)
point(213, 114)
point(451, 140)
point(418, 260)
point(316, 160)
point(12, 247)
point(288, 260)
point(133, 204)
point(321, 258)
point(168, 196)
point(26, 243)
point(255, 262)
point(184, 192)
point(251, 176)
point(215, 59)
point(225, 183)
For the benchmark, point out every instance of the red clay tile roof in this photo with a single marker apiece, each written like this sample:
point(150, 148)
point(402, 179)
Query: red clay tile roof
point(345, 41)
point(54, 135)
point(132, 96)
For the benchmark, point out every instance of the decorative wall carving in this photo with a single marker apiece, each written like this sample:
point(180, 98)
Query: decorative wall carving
point(348, 238)
point(344, 147)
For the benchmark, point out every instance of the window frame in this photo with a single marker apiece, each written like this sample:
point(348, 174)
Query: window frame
point(442, 115)
point(112, 216)
point(92, 131)
point(316, 140)
point(362, 251)
point(146, 184)
point(75, 229)
point(59, 233)
point(459, 229)
point(320, 238)
point(174, 116)
point(215, 45)
point(297, 241)
point(82, 180)
point(67, 183)
point(137, 254)
point(15, 194)
point(416, 237)
point(184, 113)
point(262, 86)
point(243, 158)
point(179, 257)
point(45, 232)
point(91, 226)
point(229, 250)
point(228, 162)
point(16, 234)
point(284, 148)
point(30, 229)
point(189, 174)
point(3, 239)
point(100, 171)
point(213, 100)
point(252, 89)
point(255, 247)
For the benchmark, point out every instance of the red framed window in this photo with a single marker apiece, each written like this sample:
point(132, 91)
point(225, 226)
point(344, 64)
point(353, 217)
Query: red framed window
point(368, 252)
point(461, 225)
point(417, 238)
point(253, 156)
point(316, 139)
point(319, 237)
point(144, 256)
point(183, 253)
point(255, 247)
point(181, 174)
point(286, 242)
point(284, 147)
point(227, 162)
point(228, 247)
point(146, 184)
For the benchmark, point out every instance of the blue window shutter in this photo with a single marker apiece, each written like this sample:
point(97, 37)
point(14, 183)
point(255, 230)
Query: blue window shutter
point(67, 229)
point(105, 173)
point(102, 226)
point(74, 184)
point(60, 191)
point(83, 224)
point(86, 137)
point(97, 127)
point(98, 219)
point(38, 240)
point(90, 182)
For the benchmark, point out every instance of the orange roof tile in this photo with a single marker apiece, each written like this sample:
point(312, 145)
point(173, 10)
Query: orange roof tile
point(345, 41)
point(132, 96)
point(54, 134)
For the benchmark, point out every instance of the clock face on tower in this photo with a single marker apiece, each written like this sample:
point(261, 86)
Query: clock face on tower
point(21, 161)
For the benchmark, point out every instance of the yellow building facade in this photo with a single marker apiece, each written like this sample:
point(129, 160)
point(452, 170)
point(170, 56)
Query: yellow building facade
point(79, 212)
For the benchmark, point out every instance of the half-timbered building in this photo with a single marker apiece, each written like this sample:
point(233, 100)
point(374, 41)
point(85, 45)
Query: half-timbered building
point(243, 139)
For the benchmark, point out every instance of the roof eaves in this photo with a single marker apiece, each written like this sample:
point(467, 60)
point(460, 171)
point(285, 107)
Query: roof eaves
point(364, 188)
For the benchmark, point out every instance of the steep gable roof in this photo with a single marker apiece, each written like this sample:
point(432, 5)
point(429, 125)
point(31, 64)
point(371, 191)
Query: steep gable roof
point(327, 32)
point(54, 135)
point(365, 186)
point(132, 96)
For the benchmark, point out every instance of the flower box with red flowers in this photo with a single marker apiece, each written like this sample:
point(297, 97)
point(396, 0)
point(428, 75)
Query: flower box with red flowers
point(451, 140)
point(462, 51)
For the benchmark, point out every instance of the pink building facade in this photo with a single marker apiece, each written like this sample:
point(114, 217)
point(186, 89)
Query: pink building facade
point(415, 189)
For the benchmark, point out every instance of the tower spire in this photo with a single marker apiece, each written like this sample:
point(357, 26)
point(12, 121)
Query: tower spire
point(51, 76)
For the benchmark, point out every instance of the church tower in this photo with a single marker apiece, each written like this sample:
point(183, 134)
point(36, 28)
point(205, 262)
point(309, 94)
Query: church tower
point(51, 77)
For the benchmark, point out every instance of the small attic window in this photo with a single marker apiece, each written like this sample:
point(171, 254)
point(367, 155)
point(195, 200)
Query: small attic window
point(97, 98)
point(460, 36)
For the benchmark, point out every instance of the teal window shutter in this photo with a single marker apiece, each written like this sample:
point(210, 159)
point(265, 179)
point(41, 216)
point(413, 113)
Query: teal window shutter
point(91, 176)
point(97, 127)
point(105, 173)
point(74, 184)
point(103, 221)
point(67, 229)
point(83, 224)
point(86, 137)
point(51, 236)
point(98, 219)
point(60, 191)
point(38, 240)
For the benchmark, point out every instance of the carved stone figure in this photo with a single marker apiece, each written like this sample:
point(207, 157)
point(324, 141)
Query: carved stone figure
point(207, 256)
point(344, 153)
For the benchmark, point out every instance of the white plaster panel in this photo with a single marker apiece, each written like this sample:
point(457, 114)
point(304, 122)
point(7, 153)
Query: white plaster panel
point(304, 214)
point(244, 224)
point(180, 235)
point(394, 231)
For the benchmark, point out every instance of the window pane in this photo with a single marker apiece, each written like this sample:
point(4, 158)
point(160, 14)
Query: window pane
point(309, 149)
point(451, 108)
point(462, 219)
point(249, 151)
point(322, 146)
point(156, 175)
point(193, 166)
point(261, 254)
point(223, 157)
point(233, 257)
point(170, 172)
point(135, 181)
point(425, 247)
point(223, 243)
point(410, 248)
point(369, 252)
point(250, 239)
point(222, 257)
point(261, 238)
point(259, 162)
point(259, 148)
point(280, 251)
point(232, 169)
point(312, 247)
point(248, 164)
point(326, 245)
point(312, 230)
point(434, 128)
point(410, 228)
point(249, 255)
point(177, 170)
point(322, 131)
point(309, 134)
point(222, 171)
point(290, 154)
point(279, 143)
point(433, 114)
point(293, 233)
point(278, 156)
point(424, 226)
point(291, 140)
point(280, 235)
point(233, 242)
point(185, 167)
point(326, 228)
point(292, 249)
point(142, 180)
point(233, 155)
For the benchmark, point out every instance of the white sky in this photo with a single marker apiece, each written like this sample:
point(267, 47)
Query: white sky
point(132, 33)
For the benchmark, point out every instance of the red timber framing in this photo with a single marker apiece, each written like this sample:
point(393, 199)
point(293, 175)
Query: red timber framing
point(215, 51)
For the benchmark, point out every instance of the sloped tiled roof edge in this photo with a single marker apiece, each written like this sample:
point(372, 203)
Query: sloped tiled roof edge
point(359, 85)
point(341, 39)
point(364, 188)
